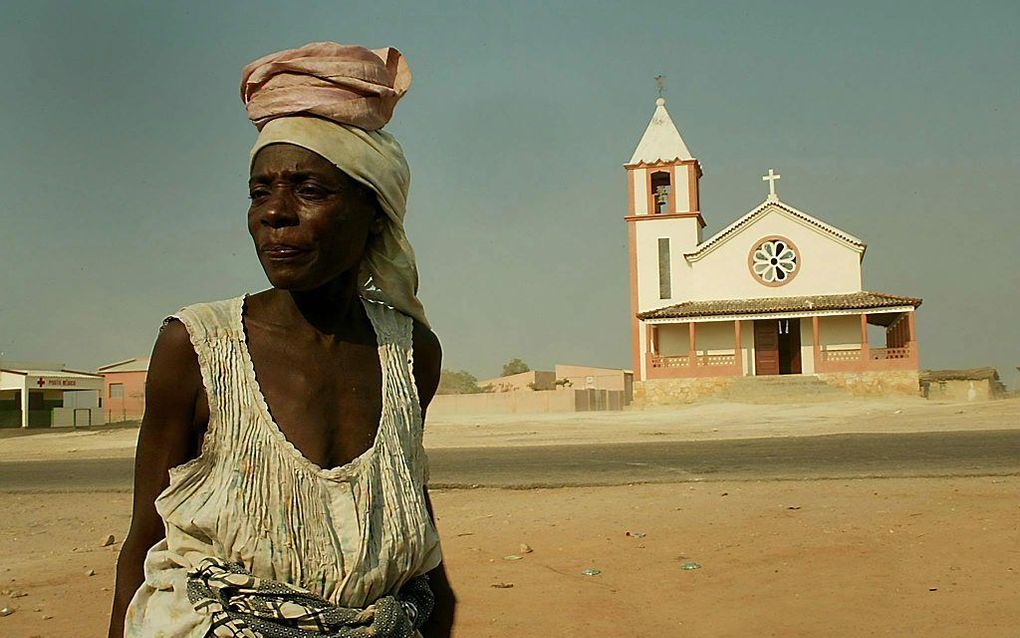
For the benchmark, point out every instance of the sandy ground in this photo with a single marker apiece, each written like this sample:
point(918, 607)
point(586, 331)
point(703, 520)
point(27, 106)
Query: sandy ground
point(868, 557)
point(895, 557)
point(701, 421)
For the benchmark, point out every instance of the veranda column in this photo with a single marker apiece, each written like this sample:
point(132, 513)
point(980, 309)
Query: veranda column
point(816, 344)
point(739, 351)
point(912, 337)
point(865, 348)
point(692, 348)
point(649, 355)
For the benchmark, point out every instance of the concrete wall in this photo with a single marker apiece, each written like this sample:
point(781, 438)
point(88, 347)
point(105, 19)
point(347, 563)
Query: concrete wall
point(77, 417)
point(826, 266)
point(530, 380)
point(526, 401)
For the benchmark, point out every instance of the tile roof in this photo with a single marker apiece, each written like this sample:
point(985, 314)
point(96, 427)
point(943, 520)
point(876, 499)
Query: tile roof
point(763, 305)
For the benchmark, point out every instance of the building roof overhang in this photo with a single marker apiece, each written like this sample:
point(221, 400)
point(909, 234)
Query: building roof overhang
point(136, 364)
point(803, 306)
point(88, 380)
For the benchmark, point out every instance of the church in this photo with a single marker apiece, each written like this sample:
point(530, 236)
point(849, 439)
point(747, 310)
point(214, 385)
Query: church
point(776, 292)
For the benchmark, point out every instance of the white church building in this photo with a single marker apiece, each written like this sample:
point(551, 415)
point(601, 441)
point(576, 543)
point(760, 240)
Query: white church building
point(776, 292)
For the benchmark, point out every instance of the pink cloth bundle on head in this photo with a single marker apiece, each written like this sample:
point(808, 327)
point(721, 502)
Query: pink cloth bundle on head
point(332, 99)
point(342, 83)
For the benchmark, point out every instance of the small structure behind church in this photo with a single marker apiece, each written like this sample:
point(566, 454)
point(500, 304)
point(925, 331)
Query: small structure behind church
point(567, 388)
point(776, 292)
point(124, 389)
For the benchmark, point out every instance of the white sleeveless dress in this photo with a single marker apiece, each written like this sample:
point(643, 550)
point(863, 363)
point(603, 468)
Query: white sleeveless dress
point(350, 534)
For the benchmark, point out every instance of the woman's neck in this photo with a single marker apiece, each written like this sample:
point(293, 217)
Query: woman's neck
point(332, 309)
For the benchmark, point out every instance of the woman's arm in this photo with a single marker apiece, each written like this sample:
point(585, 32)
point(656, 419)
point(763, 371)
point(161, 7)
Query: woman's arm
point(173, 422)
point(428, 362)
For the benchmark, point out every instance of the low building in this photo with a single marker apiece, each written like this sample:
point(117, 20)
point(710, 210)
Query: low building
point(570, 388)
point(530, 380)
point(592, 378)
point(42, 395)
point(977, 384)
point(124, 389)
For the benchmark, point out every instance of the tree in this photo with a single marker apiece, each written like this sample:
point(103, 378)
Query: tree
point(514, 366)
point(457, 382)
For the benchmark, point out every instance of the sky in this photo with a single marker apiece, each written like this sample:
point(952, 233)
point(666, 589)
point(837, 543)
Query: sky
point(124, 151)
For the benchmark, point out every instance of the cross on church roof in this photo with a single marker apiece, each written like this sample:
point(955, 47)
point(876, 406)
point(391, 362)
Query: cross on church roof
point(660, 83)
point(771, 179)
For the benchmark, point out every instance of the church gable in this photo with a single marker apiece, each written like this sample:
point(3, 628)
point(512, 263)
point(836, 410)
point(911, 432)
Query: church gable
point(776, 250)
point(774, 207)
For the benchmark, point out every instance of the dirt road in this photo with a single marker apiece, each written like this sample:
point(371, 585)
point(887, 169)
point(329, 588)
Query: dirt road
point(835, 456)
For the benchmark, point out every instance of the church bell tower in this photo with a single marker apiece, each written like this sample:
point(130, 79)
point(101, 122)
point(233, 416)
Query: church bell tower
point(663, 221)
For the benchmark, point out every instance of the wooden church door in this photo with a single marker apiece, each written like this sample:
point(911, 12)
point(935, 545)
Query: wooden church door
point(766, 347)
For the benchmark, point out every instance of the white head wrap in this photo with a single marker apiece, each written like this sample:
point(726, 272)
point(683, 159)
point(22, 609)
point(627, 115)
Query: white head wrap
point(332, 99)
point(374, 158)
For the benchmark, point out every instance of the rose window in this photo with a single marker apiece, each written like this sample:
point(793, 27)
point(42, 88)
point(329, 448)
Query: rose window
point(774, 261)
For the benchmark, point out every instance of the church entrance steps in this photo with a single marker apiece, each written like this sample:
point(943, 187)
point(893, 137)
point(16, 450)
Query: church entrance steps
point(794, 388)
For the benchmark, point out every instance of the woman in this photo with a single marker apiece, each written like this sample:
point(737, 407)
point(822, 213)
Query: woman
point(280, 476)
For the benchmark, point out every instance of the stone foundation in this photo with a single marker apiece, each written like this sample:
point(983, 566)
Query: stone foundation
point(792, 388)
point(661, 392)
point(876, 383)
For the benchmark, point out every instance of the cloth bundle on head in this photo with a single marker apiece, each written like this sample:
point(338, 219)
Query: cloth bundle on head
point(332, 99)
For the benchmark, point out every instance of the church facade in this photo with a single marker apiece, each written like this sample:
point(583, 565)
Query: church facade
point(776, 292)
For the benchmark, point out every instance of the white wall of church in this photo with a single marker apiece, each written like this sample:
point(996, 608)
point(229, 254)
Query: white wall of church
point(807, 348)
point(843, 331)
point(640, 190)
point(682, 190)
point(715, 337)
point(683, 237)
point(674, 340)
point(827, 266)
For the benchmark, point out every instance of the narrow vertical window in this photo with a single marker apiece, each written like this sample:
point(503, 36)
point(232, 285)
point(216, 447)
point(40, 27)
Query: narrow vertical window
point(665, 289)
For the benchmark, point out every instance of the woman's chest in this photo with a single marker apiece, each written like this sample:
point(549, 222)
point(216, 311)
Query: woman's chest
point(328, 404)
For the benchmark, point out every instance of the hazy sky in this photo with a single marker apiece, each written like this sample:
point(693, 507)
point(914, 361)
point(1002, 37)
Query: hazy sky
point(124, 148)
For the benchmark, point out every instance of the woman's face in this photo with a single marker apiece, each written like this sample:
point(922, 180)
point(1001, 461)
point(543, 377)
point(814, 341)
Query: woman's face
point(310, 221)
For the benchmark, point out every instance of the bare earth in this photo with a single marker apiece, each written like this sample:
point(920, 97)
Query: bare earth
point(868, 557)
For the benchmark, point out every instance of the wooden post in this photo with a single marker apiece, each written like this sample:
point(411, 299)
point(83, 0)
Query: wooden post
point(865, 348)
point(692, 347)
point(738, 350)
point(816, 344)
